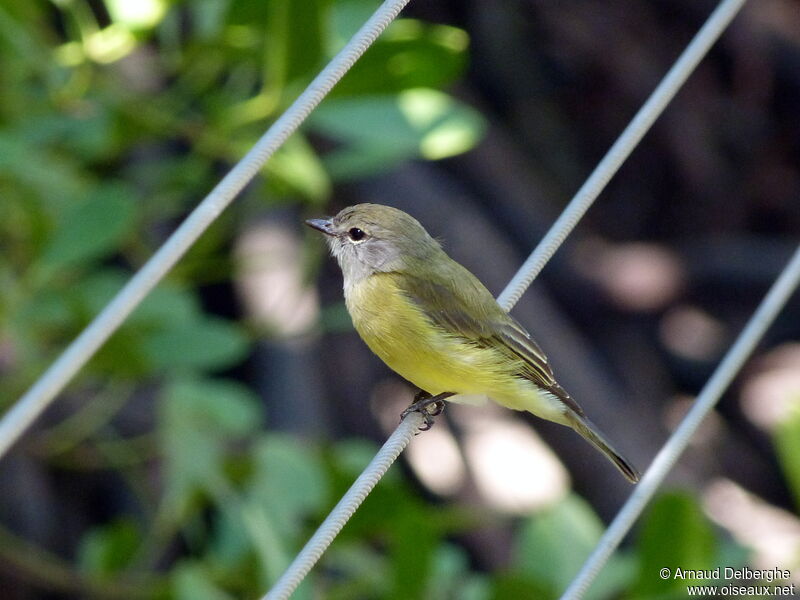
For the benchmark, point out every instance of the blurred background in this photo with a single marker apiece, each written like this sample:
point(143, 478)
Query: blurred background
point(200, 448)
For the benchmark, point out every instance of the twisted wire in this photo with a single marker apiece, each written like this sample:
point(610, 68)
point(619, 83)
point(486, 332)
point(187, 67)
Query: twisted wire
point(762, 318)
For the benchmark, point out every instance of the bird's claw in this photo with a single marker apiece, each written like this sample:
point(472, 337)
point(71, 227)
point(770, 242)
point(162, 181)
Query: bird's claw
point(428, 406)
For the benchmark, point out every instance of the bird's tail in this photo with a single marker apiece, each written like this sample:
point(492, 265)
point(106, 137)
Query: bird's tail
point(589, 431)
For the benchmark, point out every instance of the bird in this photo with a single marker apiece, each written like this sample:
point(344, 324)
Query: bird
point(436, 325)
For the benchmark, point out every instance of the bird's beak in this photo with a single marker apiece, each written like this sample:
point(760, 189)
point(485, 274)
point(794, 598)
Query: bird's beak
point(323, 225)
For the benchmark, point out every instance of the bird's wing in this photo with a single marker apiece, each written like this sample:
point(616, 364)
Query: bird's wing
point(470, 311)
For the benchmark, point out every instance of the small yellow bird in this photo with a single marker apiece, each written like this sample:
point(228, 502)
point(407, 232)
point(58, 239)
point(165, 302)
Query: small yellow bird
point(431, 321)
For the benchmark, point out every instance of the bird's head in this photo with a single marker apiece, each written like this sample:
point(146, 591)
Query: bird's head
point(372, 238)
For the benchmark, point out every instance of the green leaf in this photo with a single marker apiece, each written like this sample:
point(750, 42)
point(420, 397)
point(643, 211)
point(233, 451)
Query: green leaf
point(674, 534)
point(364, 572)
point(555, 543)
point(207, 18)
point(167, 331)
point(787, 445)
point(295, 169)
point(378, 132)
point(515, 586)
point(475, 587)
point(43, 312)
point(41, 172)
point(334, 318)
point(198, 418)
point(208, 343)
point(229, 545)
point(87, 134)
point(449, 569)
point(295, 36)
point(92, 229)
point(412, 556)
point(410, 54)
point(167, 306)
point(288, 482)
point(191, 581)
point(296, 33)
point(106, 550)
point(347, 17)
point(96, 290)
point(142, 14)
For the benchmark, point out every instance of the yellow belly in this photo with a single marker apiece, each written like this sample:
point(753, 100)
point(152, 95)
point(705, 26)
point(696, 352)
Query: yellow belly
point(399, 333)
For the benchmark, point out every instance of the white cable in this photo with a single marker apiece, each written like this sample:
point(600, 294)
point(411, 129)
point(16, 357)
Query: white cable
point(342, 512)
point(769, 308)
point(587, 194)
point(621, 149)
point(42, 393)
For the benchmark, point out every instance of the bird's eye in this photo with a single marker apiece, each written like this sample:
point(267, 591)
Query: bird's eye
point(356, 234)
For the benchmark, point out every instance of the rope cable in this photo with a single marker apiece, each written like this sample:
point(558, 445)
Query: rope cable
point(764, 315)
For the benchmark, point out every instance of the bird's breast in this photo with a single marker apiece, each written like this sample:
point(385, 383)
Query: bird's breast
point(385, 317)
point(396, 329)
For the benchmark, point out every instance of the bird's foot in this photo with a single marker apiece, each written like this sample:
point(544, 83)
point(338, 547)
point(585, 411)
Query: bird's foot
point(428, 406)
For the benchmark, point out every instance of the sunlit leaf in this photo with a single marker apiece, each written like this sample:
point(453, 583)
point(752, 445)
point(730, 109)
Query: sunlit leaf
point(142, 14)
point(378, 132)
point(109, 44)
point(410, 54)
point(296, 169)
point(448, 128)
